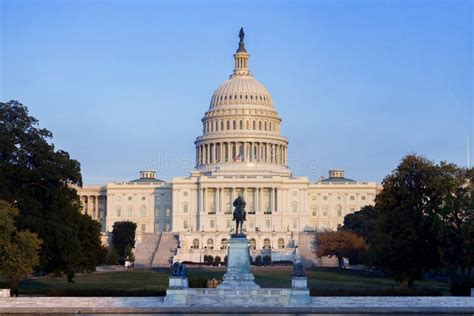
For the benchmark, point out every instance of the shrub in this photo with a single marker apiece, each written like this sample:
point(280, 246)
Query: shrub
point(375, 292)
point(461, 288)
point(267, 260)
point(258, 261)
point(208, 260)
point(217, 260)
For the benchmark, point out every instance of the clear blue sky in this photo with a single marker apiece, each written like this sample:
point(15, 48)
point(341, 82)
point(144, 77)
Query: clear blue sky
point(123, 84)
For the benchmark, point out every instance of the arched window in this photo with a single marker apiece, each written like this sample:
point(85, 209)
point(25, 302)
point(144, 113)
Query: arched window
point(234, 123)
point(339, 210)
point(266, 243)
point(254, 125)
point(222, 125)
point(252, 244)
point(265, 128)
point(143, 211)
point(247, 125)
point(210, 243)
point(241, 125)
point(195, 243)
point(119, 211)
point(228, 125)
point(224, 243)
point(260, 125)
point(281, 243)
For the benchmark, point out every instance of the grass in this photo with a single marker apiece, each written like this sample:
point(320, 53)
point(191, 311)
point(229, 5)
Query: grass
point(155, 282)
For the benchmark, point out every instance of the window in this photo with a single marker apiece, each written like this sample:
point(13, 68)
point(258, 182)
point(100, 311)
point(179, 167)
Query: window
point(362, 197)
point(130, 211)
point(185, 207)
point(339, 210)
point(294, 193)
point(281, 243)
point(167, 227)
point(295, 224)
point(157, 212)
point(211, 223)
point(143, 227)
point(224, 243)
point(143, 198)
point(314, 211)
point(195, 243)
point(185, 224)
point(130, 198)
point(294, 207)
point(185, 193)
point(266, 243)
point(338, 197)
point(267, 223)
point(352, 198)
point(168, 198)
point(252, 244)
point(119, 212)
point(210, 243)
point(325, 198)
point(325, 211)
point(313, 197)
point(143, 211)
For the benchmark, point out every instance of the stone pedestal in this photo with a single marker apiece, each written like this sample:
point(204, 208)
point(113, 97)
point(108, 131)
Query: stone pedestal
point(238, 275)
point(177, 282)
point(299, 282)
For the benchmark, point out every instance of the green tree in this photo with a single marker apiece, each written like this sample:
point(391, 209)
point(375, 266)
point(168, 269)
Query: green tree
point(18, 249)
point(123, 237)
point(363, 222)
point(406, 240)
point(217, 260)
point(208, 260)
point(39, 180)
point(457, 218)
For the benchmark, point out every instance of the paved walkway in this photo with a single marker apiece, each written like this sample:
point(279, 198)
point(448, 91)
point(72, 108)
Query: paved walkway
point(50, 305)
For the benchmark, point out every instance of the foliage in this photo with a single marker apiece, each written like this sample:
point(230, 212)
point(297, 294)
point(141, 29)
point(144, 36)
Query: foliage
point(111, 257)
point(258, 260)
point(457, 219)
point(267, 260)
point(406, 240)
point(363, 222)
point(226, 259)
point(342, 244)
point(39, 180)
point(208, 259)
point(217, 260)
point(123, 238)
point(18, 249)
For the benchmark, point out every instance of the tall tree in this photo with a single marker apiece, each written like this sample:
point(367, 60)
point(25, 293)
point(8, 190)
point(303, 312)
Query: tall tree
point(123, 238)
point(406, 240)
point(38, 180)
point(18, 249)
point(363, 222)
point(457, 217)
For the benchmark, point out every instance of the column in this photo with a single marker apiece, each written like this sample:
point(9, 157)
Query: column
point(257, 200)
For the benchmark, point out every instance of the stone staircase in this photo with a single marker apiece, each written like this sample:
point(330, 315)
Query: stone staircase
point(145, 250)
point(166, 250)
point(307, 252)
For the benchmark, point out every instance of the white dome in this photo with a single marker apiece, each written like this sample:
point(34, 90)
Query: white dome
point(241, 90)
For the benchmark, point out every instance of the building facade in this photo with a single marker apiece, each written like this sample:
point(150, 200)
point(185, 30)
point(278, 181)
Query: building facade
point(240, 152)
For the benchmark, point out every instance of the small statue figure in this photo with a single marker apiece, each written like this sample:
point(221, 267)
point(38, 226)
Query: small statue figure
point(179, 270)
point(239, 215)
point(298, 270)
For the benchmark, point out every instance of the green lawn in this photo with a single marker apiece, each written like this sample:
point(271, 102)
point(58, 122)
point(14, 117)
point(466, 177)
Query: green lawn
point(147, 282)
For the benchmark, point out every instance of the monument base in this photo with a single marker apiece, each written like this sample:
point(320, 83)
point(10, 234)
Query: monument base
point(238, 275)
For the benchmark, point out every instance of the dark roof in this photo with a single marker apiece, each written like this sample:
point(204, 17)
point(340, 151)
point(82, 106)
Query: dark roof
point(147, 180)
point(336, 179)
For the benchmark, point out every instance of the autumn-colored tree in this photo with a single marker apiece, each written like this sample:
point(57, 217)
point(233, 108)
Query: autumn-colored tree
point(342, 244)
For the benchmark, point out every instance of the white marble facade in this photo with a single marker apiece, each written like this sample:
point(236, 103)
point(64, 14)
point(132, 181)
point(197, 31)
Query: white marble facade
point(240, 151)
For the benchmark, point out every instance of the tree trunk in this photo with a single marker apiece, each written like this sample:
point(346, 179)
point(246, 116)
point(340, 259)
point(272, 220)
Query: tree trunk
point(14, 286)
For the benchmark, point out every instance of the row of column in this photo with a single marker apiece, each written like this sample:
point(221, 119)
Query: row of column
point(216, 203)
point(241, 152)
point(91, 204)
point(213, 126)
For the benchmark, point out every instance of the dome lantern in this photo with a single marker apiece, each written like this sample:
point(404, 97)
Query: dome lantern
point(241, 58)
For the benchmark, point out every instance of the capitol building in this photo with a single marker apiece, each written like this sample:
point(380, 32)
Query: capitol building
point(240, 152)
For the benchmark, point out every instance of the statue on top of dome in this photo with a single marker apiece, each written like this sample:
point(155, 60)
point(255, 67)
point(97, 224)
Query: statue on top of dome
point(241, 43)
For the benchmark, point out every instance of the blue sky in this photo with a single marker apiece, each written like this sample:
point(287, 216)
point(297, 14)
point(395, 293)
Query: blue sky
point(123, 84)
